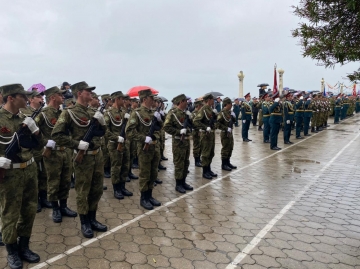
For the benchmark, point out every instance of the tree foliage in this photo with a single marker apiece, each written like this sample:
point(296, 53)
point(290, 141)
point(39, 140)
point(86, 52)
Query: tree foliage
point(331, 34)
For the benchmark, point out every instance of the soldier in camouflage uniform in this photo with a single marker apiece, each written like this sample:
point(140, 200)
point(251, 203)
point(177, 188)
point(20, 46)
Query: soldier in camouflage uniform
point(35, 101)
point(225, 122)
point(260, 113)
point(104, 141)
point(138, 128)
point(116, 118)
point(133, 144)
point(196, 136)
point(89, 173)
point(204, 122)
point(70, 103)
point(158, 104)
point(18, 186)
point(315, 114)
point(58, 162)
point(175, 125)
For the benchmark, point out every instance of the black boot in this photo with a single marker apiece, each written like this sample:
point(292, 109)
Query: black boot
point(186, 186)
point(13, 258)
point(163, 158)
point(313, 130)
point(161, 167)
point(132, 176)
point(158, 181)
point(25, 253)
point(38, 206)
point(224, 165)
point(144, 202)
point(135, 164)
point(1, 242)
point(206, 173)
point(211, 172)
point(43, 200)
point(85, 226)
point(117, 191)
point(95, 225)
point(72, 182)
point(197, 162)
point(124, 191)
point(151, 199)
point(179, 186)
point(65, 211)
point(56, 215)
point(230, 165)
point(107, 173)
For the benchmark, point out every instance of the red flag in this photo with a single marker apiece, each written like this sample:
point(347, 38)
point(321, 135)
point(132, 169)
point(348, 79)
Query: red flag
point(354, 90)
point(275, 88)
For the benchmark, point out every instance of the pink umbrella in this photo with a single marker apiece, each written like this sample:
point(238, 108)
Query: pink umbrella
point(37, 87)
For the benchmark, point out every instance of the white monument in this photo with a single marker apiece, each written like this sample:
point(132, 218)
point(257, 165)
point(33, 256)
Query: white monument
point(241, 83)
point(281, 81)
point(322, 85)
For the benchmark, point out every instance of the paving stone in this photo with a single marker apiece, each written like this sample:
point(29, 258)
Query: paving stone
point(297, 255)
point(266, 261)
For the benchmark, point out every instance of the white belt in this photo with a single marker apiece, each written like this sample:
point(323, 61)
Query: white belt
point(179, 137)
point(22, 165)
point(90, 152)
point(57, 148)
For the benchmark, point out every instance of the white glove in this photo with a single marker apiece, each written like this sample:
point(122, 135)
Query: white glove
point(183, 131)
point(162, 113)
point(51, 144)
point(100, 117)
point(5, 163)
point(233, 114)
point(288, 122)
point(148, 139)
point(189, 114)
point(121, 139)
point(229, 130)
point(215, 111)
point(244, 121)
point(83, 145)
point(277, 99)
point(30, 123)
point(157, 115)
point(317, 110)
point(301, 97)
point(309, 99)
point(208, 129)
point(127, 116)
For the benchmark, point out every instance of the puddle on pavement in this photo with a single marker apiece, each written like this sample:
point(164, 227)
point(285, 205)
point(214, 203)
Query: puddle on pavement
point(292, 161)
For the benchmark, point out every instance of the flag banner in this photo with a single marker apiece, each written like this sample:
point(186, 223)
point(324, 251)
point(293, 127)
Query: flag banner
point(275, 88)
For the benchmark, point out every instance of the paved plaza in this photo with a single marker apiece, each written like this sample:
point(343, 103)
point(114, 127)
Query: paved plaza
point(294, 208)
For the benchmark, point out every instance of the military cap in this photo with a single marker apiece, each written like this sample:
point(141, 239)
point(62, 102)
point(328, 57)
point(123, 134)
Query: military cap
point(126, 96)
point(264, 95)
point(69, 101)
point(35, 93)
point(146, 93)
point(66, 84)
point(274, 95)
point(134, 99)
point(306, 96)
point(226, 101)
point(246, 95)
point(179, 98)
point(208, 96)
point(197, 101)
point(287, 94)
point(105, 96)
point(117, 94)
point(53, 90)
point(94, 95)
point(10, 89)
point(219, 97)
point(81, 86)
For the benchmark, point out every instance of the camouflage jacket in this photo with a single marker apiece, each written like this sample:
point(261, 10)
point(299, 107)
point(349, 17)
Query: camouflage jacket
point(204, 118)
point(174, 122)
point(224, 119)
point(114, 119)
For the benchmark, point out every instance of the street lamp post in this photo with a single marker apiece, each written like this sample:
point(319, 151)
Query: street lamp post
point(241, 83)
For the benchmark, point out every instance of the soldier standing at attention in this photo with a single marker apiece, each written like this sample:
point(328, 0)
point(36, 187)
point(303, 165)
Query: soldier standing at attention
point(175, 126)
point(299, 115)
point(246, 118)
point(35, 101)
point(266, 117)
point(115, 118)
point(148, 148)
point(133, 144)
point(275, 121)
point(225, 123)
point(89, 173)
point(196, 136)
point(259, 105)
point(307, 114)
point(204, 122)
point(19, 183)
point(288, 118)
point(236, 109)
point(104, 141)
point(57, 162)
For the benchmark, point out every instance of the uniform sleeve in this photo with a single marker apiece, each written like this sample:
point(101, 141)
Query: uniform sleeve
point(131, 131)
point(60, 132)
point(109, 134)
point(169, 126)
point(198, 120)
point(220, 123)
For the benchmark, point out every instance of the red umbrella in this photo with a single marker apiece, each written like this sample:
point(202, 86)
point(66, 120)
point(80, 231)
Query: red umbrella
point(134, 91)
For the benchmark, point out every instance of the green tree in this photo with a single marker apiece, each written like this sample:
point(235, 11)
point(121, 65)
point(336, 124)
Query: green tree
point(331, 33)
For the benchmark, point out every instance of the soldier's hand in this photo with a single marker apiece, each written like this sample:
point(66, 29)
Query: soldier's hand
point(157, 115)
point(83, 145)
point(208, 129)
point(51, 144)
point(162, 113)
point(121, 139)
point(301, 97)
point(277, 99)
point(288, 122)
point(100, 117)
point(127, 116)
point(229, 130)
point(5, 163)
point(233, 114)
point(183, 131)
point(309, 98)
point(30, 123)
point(189, 114)
point(244, 121)
point(215, 111)
point(148, 139)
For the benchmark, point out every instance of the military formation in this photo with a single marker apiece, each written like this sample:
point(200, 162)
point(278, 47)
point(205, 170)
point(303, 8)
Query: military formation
point(76, 142)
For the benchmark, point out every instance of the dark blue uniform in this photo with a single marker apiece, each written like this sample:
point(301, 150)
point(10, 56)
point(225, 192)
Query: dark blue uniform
point(276, 118)
point(288, 120)
point(246, 118)
point(299, 115)
point(266, 118)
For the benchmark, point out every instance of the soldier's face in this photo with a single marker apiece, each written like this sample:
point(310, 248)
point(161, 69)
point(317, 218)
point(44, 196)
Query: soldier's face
point(19, 101)
point(119, 101)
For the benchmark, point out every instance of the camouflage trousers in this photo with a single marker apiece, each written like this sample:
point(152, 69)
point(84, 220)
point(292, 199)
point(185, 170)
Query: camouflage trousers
point(207, 147)
point(105, 151)
point(18, 202)
point(162, 141)
point(181, 154)
point(89, 182)
point(42, 177)
point(70, 153)
point(227, 143)
point(196, 144)
point(58, 170)
point(314, 119)
point(133, 154)
point(148, 165)
point(120, 162)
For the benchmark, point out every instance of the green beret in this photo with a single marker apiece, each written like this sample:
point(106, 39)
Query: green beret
point(146, 93)
point(81, 86)
point(53, 90)
point(226, 101)
point(179, 98)
point(10, 89)
point(117, 94)
point(208, 96)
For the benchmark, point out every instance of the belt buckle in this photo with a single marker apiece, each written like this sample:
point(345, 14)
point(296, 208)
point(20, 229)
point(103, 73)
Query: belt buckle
point(23, 165)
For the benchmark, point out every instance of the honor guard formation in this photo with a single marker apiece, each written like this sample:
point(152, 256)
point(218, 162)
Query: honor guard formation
point(55, 140)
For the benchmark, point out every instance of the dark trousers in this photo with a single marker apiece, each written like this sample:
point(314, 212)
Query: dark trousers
point(254, 119)
point(343, 113)
point(337, 116)
point(274, 132)
point(245, 129)
point(266, 130)
point(306, 125)
point(287, 131)
point(237, 119)
point(299, 122)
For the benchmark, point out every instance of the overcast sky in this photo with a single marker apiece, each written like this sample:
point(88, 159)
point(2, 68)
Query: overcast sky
point(174, 46)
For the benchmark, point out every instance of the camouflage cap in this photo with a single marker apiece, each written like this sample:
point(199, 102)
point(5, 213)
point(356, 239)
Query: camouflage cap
point(35, 93)
point(10, 89)
point(94, 95)
point(81, 86)
point(197, 102)
point(146, 93)
point(178, 99)
point(226, 101)
point(126, 96)
point(69, 101)
point(105, 96)
point(117, 94)
point(53, 90)
point(208, 96)
point(134, 99)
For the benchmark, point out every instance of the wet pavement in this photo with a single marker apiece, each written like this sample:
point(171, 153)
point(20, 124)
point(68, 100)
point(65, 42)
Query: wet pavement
point(294, 208)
